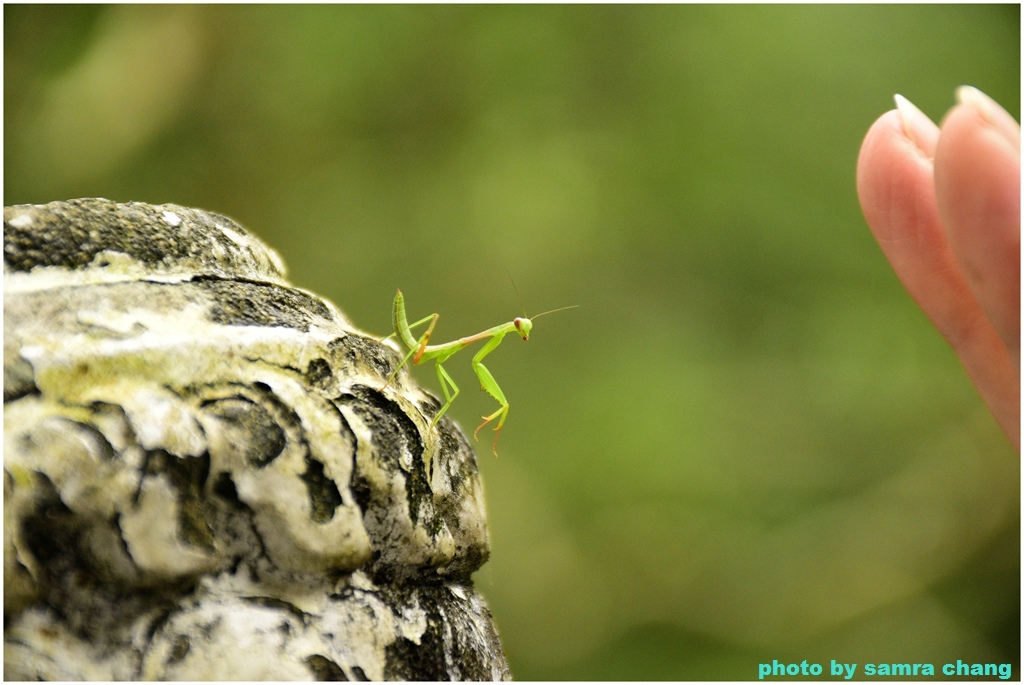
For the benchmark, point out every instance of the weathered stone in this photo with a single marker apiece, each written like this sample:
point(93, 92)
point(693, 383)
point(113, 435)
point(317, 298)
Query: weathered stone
point(206, 475)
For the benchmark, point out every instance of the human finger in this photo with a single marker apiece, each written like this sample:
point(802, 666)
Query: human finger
point(895, 183)
point(977, 180)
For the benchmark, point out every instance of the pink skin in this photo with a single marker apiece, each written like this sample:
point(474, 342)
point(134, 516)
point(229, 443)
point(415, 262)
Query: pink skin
point(944, 205)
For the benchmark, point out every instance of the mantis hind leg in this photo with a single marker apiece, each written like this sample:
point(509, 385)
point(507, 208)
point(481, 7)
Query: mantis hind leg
point(425, 338)
point(398, 368)
point(416, 352)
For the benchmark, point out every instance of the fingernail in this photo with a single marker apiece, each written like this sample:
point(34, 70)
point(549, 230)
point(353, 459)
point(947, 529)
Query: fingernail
point(916, 124)
point(991, 111)
point(969, 95)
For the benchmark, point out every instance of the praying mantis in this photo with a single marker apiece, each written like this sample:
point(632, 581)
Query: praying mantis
point(420, 351)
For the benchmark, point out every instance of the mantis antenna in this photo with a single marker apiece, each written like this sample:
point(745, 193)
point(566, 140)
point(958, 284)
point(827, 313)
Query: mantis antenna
point(552, 311)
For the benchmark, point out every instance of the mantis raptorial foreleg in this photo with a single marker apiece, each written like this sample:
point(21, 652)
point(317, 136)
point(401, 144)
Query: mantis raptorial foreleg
point(420, 351)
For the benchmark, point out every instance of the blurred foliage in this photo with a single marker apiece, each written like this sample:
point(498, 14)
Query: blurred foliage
point(747, 443)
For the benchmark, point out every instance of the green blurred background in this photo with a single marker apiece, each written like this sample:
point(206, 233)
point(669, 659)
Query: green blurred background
point(747, 443)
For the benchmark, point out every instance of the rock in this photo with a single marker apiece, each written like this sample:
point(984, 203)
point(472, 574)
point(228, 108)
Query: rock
point(206, 475)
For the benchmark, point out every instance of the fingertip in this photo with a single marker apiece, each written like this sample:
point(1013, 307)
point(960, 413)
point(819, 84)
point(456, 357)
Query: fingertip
point(977, 169)
point(977, 181)
point(893, 178)
point(992, 112)
point(876, 151)
point(917, 127)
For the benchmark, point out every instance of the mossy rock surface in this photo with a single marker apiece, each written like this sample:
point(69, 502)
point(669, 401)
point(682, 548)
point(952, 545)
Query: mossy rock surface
point(206, 475)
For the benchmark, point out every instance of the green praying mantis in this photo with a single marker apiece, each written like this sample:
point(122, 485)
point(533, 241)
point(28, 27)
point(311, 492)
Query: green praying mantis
point(420, 351)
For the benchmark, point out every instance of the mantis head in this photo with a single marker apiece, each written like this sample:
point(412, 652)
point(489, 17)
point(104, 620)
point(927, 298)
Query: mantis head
point(525, 325)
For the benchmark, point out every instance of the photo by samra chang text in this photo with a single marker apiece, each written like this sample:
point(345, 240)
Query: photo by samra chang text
point(848, 671)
